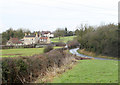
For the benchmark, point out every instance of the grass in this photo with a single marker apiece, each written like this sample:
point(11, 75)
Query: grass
point(82, 51)
point(63, 39)
point(91, 71)
point(22, 52)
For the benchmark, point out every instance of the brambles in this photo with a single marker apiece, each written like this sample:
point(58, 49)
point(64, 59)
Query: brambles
point(59, 43)
point(73, 44)
point(48, 48)
point(26, 69)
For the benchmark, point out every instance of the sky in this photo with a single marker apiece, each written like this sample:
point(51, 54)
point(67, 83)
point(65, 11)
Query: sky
point(39, 15)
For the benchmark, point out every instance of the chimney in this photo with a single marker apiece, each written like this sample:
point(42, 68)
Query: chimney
point(39, 34)
point(36, 34)
point(25, 34)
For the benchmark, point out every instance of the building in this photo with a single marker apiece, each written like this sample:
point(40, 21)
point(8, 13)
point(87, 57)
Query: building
point(14, 42)
point(30, 39)
point(35, 39)
point(45, 40)
point(47, 34)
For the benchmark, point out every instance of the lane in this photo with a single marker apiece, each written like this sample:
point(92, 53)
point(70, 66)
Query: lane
point(74, 51)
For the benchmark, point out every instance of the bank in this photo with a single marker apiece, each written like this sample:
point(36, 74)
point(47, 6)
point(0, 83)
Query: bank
point(84, 52)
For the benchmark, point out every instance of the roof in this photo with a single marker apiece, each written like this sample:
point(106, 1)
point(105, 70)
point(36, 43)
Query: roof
point(14, 40)
point(46, 32)
point(30, 36)
point(44, 38)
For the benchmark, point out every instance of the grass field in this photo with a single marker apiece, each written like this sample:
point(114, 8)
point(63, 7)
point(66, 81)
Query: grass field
point(22, 52)
point(63, 39)
point(91, 71)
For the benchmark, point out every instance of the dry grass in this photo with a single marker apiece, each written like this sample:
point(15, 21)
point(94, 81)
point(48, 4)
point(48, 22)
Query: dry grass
point(82, 51)
point(55, 71)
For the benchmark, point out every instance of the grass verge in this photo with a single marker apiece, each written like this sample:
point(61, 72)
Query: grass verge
point(91, 71)
point(82, 51)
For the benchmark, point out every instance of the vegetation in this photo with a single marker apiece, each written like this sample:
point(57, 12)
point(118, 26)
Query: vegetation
point(91, 71)
point(84, 52)
point(62, 32)
point(13, 33)
point(22, 52)
point(101, 40)
point(27, 69)
point(73, 44)
point(63, 39)
point(48, 48)
point(59, 44)
point(59, 33)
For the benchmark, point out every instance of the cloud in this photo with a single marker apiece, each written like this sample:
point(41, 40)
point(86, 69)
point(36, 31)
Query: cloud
point(55, 13)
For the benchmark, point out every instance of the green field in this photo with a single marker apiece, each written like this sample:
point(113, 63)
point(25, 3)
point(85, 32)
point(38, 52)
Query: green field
point(91, 71)
point(62, 39)
point(22, 52)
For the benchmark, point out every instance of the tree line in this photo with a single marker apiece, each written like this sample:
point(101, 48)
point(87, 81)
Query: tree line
point(20, 33)
point(101, 40)
point(13, 33)
point(62, 32)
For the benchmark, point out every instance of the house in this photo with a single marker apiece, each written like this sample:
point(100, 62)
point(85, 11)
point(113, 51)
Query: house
point(14, 42)
point(31, 38)
point(47, 34)
point(35, 38)
point(44, 40)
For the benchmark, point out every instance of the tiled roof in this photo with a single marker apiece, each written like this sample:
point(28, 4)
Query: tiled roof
point(46, 32)
point(45, 38)
point(14, 40)
point(30, 36)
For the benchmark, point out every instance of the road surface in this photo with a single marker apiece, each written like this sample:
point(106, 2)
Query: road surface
point(74, 51)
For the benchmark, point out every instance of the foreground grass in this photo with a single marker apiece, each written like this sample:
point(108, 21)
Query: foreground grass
point(82, 51)
point(63, 39)
point(91, 71)
point(22, 52)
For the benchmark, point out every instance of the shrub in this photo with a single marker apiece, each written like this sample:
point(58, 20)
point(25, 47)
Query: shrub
point(59, 43)
point(13, 70)
point(48, 48)
point(27, 69)
point(102, 40)
point(72, 44)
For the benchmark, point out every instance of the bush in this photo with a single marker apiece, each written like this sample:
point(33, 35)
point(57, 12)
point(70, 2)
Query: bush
point(102, 40)
point(59, 43)
point(72, 44)
point(13, 70)
point(48, 48)
point(27, 69)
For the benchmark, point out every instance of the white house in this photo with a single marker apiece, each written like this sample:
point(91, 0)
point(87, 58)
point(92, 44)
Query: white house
point(47, 34)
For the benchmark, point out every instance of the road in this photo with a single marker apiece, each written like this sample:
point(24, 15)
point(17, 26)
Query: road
point(74, 51)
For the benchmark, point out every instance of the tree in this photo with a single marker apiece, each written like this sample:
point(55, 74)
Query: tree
point(13, 33)
point(101, 40)
point(66, 31)
point(59, 33)
point(70, 33)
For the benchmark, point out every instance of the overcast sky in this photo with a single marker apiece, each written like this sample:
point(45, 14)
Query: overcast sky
point(51, 14)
